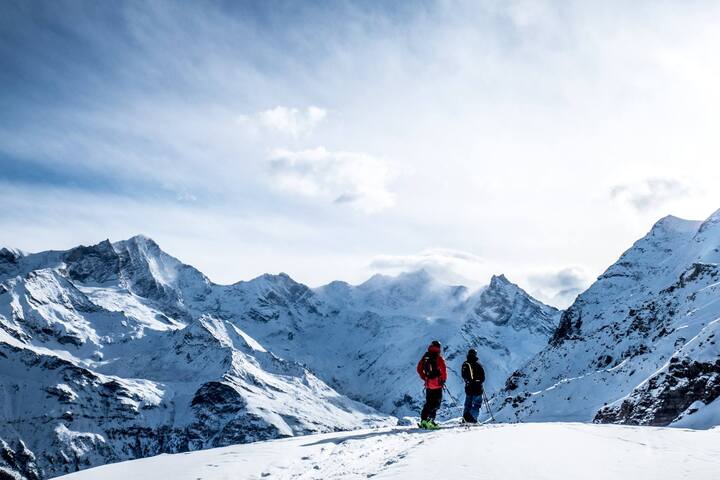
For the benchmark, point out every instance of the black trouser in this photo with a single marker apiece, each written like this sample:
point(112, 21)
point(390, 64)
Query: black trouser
point(433, 398)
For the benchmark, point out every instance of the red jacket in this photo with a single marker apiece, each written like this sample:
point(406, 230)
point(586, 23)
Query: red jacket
point(436, 382)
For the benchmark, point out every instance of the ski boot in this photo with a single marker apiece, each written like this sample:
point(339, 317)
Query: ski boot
point(428, 425)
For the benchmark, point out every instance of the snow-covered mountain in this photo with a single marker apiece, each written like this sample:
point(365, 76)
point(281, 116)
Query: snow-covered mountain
point(118, 351)
point(641, 345)
point(365, 340)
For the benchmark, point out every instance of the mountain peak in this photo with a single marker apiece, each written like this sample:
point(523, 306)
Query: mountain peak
point(11, 254)
point(139, 241)
point(413, 278)
point(504, 303)
point(711, 222)
point(672, 224)
point(498, 280)
point(501, 283)
point(275, 277)
point(420, 275)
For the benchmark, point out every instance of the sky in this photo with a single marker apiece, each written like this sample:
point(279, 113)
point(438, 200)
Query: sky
point(335, 140)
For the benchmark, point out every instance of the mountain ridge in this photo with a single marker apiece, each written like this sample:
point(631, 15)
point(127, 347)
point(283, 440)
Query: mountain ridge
point(638, 346)
point(177, 362)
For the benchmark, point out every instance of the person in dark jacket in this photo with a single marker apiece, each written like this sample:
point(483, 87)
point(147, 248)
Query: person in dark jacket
point(433, 371)
point(474, 376)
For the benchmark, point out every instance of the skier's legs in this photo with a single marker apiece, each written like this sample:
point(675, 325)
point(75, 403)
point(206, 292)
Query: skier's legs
point(476, 405)
point(426, 406)
point(433, 399)
point(467, 411)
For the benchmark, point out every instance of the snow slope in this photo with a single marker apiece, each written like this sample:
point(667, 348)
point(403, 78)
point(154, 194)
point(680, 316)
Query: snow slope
point(509, 452)
point(366, 340)
point(101, 361)
point(118, 351)
point(640, 346)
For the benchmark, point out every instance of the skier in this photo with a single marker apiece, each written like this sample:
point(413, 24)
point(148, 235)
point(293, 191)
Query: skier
point(431, 369)
point(474, 376)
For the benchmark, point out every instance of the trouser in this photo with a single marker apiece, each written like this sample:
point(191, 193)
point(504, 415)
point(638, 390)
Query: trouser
point(473, 403)
point(433, 398)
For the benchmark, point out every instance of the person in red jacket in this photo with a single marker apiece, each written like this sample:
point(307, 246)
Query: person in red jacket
point(432, 370)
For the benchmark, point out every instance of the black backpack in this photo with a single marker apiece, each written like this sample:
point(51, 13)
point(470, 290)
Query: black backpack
point(430, 366)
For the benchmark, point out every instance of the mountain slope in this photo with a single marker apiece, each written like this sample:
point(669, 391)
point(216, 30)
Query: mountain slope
point(640, 345)
point(101, 361)
point(118, 350)
point(365, 340)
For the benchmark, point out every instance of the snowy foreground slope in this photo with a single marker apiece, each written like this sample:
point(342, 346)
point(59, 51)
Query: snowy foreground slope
point(641, 345)
point(508, 452)
point(118, 351)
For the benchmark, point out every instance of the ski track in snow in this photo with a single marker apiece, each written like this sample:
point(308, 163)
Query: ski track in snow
point(355, 456)
point(503, 451)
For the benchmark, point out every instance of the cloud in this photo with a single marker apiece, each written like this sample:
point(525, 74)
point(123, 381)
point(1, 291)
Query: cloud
point(288, 121)
point(447, 265)
point(558, 287)
point(356, 179)
point(141, 102)
point(650, 193)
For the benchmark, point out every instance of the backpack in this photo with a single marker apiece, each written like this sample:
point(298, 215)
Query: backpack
point(474, 384)
point(430, 366)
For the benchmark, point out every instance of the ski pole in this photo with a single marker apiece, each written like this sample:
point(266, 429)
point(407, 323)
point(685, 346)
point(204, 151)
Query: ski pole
point(450, 395)
point(487, 405)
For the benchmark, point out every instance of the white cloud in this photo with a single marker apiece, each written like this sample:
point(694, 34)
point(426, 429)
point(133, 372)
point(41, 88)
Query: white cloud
point(558, 287)
point(447, 265)
point(481, 100)
point(286, 120)
point(650, 193)
point(357, 179)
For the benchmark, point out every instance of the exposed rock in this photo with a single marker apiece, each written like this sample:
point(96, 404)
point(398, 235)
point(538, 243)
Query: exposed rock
point(666, 395)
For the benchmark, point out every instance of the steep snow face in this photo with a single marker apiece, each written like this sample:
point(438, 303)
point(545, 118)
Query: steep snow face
point(509, 452)
point(202, 386)
point(507, 327)
point(102, 360)
point(365, 340)
point(640, 345)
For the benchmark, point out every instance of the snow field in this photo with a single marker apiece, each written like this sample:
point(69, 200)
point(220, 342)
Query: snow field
point(535, 451)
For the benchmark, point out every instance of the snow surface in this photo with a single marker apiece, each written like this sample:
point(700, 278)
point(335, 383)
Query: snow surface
point(504, 451)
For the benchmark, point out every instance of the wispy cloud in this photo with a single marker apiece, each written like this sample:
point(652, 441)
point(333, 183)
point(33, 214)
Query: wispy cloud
point(447, 265)
point(140, 102)
point(286, 120)
point(558, 287)
point(651, 193)
point(357, 179)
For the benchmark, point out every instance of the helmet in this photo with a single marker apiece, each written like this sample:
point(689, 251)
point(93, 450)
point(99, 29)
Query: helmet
point(472, 353)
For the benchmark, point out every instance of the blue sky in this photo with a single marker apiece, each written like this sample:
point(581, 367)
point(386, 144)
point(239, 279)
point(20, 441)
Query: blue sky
point(333, 140)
